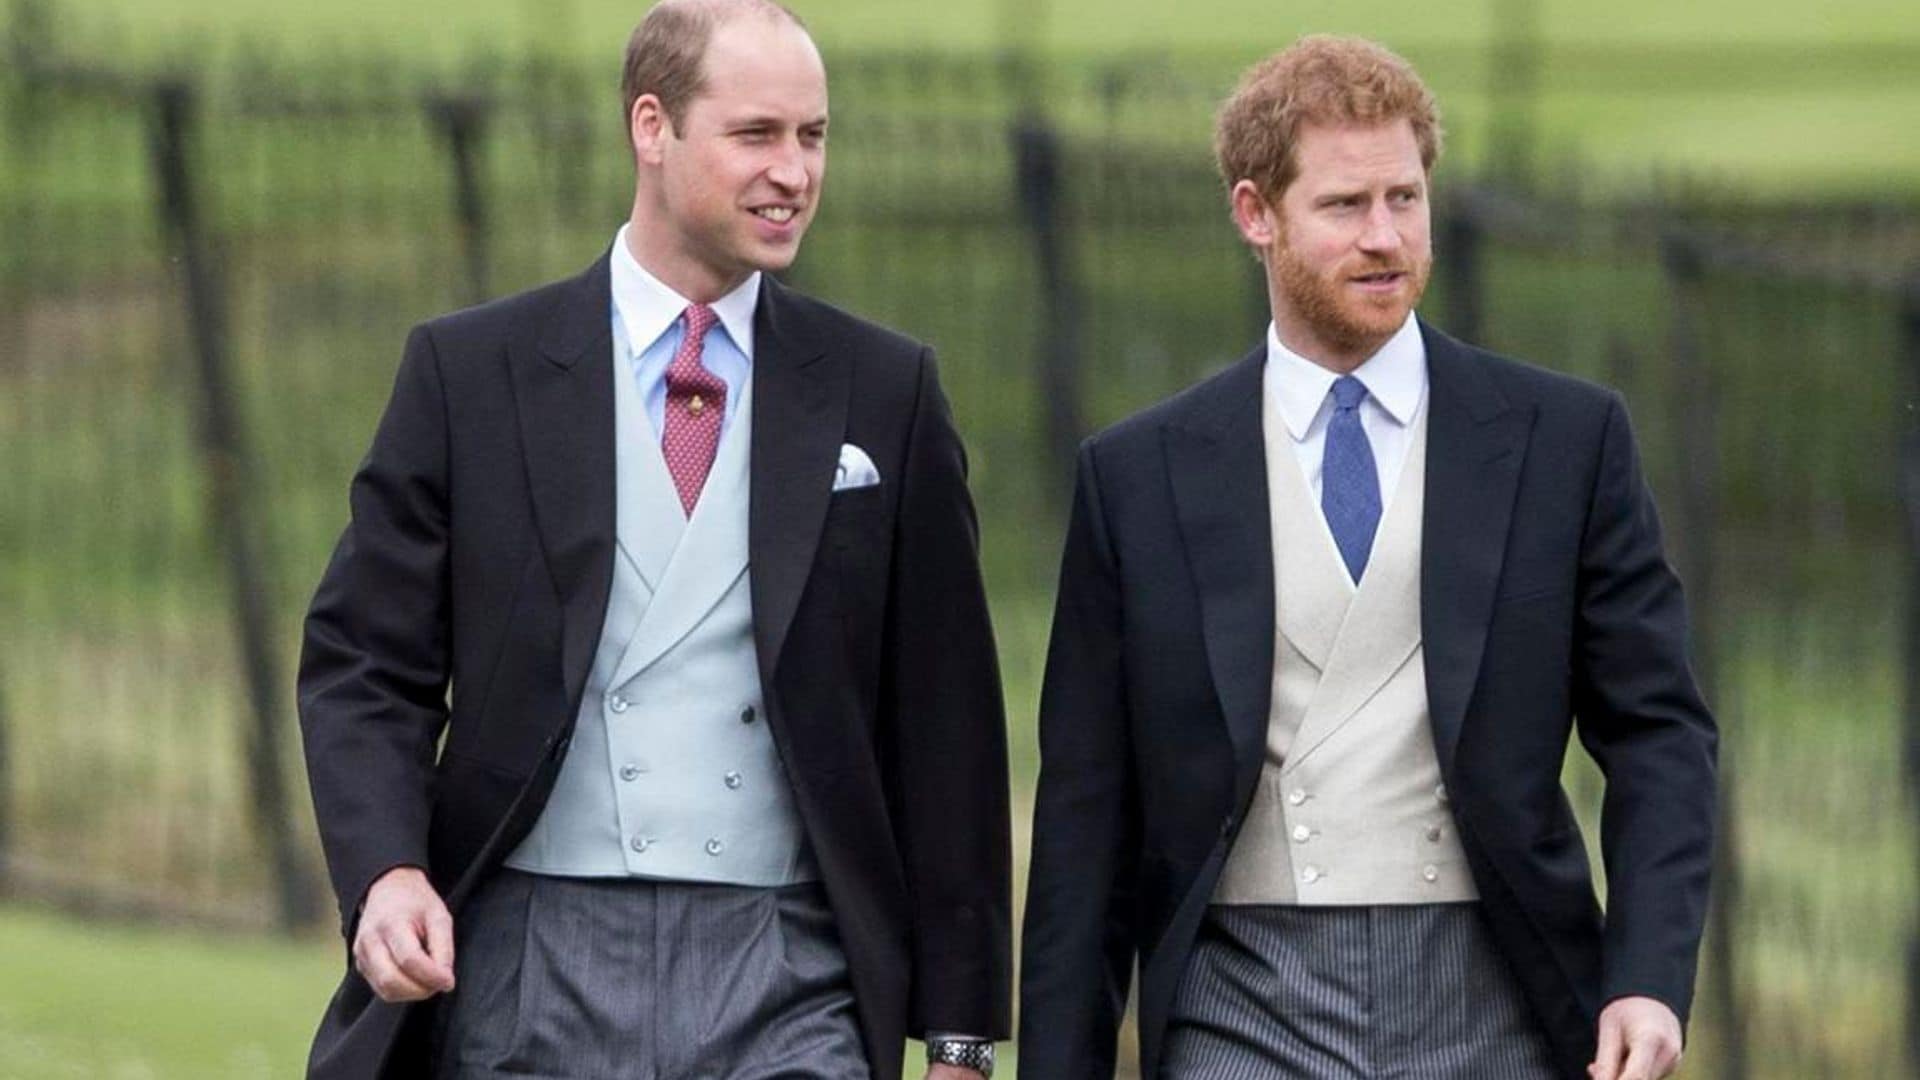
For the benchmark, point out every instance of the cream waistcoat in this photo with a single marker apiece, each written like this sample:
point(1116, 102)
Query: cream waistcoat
point(1349, 808)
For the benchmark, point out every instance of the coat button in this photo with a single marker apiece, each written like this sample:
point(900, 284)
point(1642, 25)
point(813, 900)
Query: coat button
point(1296, 796)
point(1434, 833)
point(629, 772)
point(733, 780)
point(715, 847)
point(1301, 834)
point(747, 715)
point(1430, 872)
point(640, 844)
point(617, 703)
point(1440, 794)
point(1310, 875)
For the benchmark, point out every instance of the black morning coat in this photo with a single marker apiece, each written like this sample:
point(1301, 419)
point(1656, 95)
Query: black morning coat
point(467, 595)
point(1547, 607)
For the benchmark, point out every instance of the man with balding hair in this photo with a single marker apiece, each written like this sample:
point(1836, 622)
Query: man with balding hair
point(650, 702)
point(1326, 622)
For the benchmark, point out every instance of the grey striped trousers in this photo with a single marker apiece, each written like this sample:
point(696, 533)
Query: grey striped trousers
point(1412, 992)
point(585, 979)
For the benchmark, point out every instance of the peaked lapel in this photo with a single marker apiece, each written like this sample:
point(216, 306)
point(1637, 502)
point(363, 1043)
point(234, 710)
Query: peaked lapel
point(1216, 464)
point(1477, 443)
point(711, 555)
point(1382, 627)
point(563, 390)
point(799, 421)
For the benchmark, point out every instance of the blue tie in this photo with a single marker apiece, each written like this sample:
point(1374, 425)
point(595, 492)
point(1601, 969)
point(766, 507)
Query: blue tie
point(1349, 486)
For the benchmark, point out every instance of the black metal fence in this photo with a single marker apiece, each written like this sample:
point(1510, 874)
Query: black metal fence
point(204, 284)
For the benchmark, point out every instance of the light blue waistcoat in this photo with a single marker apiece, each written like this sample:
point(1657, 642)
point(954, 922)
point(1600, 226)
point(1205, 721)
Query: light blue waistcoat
point(672, 773)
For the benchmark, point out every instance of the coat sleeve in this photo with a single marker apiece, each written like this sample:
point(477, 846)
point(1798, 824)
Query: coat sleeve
point(373, 664)
point(1078, 950)
point(945, 736)
point(1643, 719)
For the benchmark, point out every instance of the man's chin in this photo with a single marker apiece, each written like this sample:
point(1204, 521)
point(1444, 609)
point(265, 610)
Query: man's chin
point(773, 259)
point(1375, 322)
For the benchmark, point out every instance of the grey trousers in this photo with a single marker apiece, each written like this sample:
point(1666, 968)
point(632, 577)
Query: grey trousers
point(1413, 992)
point(583, 979)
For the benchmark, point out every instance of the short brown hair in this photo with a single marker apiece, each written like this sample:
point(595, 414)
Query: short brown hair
point(666, 51)
point(1320, 79)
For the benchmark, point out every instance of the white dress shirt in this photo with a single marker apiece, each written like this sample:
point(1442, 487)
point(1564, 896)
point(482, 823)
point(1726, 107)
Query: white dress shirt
point(1396, 382)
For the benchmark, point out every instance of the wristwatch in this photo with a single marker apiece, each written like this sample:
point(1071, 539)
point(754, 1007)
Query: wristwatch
point(975, 1054)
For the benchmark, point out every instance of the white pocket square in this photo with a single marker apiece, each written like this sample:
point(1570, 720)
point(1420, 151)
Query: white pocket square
point(855, 469)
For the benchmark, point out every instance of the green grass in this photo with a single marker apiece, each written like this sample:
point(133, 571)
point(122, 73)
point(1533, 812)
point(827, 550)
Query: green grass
point(99, 1001)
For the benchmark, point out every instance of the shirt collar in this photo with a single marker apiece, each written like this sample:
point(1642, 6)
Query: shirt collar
point(648, 307)
point(1395, 376)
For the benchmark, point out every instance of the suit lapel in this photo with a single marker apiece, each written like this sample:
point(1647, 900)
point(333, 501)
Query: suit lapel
point(1477, 442)
point(1216, 463)
point(563, 387)
point(799, 416)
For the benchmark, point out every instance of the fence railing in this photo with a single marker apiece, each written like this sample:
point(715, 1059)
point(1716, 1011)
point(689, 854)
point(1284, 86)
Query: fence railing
point(206, 282)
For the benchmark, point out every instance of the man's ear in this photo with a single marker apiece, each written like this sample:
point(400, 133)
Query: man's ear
point(1257, 220)
point(648, 127)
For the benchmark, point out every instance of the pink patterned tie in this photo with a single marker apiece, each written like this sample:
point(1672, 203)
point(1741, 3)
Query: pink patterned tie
point(696, 401)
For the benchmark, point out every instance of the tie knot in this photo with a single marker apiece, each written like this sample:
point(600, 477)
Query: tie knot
point(700, 319)
point(1348, 392)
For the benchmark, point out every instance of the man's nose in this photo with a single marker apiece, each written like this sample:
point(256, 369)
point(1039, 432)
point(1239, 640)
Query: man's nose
point(1382, 232)
point(789, 169)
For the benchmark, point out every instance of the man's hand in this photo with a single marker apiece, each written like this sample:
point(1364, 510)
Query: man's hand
point(950, 1072)
point(404, 947)
point(1639, 1040)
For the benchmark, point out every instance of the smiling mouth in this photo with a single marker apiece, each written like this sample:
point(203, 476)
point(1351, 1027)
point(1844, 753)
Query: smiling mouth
point(1384, 277)
point(779, 215)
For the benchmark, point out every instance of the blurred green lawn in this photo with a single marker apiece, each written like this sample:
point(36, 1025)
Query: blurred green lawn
point(102, 1001)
